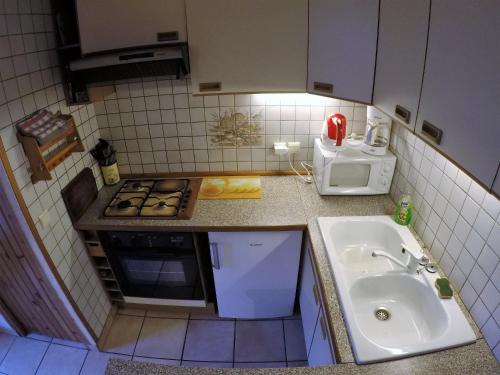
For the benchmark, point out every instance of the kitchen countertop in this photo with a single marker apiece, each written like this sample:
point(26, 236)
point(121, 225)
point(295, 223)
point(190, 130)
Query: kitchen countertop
point(279, 207)
point(287, 204)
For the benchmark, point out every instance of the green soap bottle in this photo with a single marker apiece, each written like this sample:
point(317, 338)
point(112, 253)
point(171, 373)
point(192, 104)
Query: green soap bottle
point(402, 214)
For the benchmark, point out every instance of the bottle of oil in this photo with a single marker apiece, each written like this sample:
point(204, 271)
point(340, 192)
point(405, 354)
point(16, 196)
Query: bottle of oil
point(402, 214)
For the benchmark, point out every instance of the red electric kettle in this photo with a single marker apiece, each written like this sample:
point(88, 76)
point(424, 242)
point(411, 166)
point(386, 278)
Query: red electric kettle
point(334, 131)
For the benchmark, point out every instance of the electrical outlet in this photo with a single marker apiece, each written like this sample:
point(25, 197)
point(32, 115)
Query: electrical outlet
point(44, 219)
point(280, 148)
point(293, 147)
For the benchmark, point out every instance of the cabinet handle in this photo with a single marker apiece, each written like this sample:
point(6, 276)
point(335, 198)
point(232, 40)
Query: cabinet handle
point(323, 86)
point(402, 113)
point(323, 326)
point(256, 244)
point(432, 132)
point(167, 36)
point(214, 250)
point(315, 293)
point(210, 86)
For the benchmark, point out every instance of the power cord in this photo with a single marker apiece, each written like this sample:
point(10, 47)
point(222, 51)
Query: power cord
point(307, 167)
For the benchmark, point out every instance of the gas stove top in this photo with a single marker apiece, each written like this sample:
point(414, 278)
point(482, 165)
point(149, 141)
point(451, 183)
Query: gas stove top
point(171, 198)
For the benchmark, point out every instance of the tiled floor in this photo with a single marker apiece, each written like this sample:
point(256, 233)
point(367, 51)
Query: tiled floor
point(196, 340)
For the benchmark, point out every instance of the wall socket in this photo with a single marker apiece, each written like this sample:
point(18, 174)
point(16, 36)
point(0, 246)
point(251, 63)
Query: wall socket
point(283, 148)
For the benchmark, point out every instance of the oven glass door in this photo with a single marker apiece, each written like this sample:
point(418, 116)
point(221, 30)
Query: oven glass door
point(349, 175)
point(158, 275)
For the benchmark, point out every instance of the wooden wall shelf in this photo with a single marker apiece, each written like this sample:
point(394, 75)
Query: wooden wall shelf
point(41, 164)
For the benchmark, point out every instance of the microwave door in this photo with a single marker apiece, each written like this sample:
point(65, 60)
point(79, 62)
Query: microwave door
point(347, 175)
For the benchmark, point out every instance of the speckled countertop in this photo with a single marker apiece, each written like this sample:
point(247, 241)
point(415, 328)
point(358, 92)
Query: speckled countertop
point(288, 203)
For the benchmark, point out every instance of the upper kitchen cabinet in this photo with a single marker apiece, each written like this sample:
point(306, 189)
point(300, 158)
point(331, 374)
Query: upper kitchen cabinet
point(247, 45)
point(115, 24)
point(342, 48)
point(459, 106)
point(402, 39)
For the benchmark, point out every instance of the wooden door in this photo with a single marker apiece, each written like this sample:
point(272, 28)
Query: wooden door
point(25, 288)
point(342, 48)
point(461, 87)
point(402, 39)
point(247, 45)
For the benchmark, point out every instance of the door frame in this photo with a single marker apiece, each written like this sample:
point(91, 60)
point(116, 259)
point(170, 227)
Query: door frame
point(57, 296)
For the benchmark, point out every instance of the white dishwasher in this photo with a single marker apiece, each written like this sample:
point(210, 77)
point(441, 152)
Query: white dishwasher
point(255, 273)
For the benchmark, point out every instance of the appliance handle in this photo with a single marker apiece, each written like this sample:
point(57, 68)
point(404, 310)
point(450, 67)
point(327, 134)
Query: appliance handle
point(214, 251)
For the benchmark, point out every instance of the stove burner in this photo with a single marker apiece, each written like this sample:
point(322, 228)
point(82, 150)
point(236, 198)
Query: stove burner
point(162, 204)
point(136, 185)
point(123, 205)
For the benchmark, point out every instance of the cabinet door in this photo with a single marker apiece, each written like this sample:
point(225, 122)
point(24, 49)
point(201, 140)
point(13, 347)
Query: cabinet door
point(402, 39)
point(115, 24)
point(461, 88)
point(342, 48)
point(247, 45)
point(320, 353)
point(255, 273)
point(309, 297)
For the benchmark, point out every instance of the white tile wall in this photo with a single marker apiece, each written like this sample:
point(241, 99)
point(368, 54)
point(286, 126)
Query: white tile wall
point(31, 80)
point(458, 221)
point(158, 126)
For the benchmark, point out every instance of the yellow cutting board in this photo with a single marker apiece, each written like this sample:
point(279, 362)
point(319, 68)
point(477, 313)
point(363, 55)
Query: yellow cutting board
point(230, 187)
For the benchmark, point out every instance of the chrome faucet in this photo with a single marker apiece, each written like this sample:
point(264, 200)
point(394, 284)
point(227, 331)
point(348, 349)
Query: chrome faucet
point(411, 266)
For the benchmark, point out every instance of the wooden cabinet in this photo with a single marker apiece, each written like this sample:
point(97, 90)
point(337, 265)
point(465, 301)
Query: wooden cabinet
point(247, 45)
point(316, 333)
point(255, 273)
point(115, 24)
point(402, 40)
point(342, 48)
point(461, 87)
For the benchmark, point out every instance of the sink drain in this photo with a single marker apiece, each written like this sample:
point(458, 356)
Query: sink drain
point(382, 313)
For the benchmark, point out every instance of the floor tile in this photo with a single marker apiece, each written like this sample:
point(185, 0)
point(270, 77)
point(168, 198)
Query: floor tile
point(74, 344)
point(259, 341)
point(24, 356)
point(131, 311)
point(259, 364)
point(206, 316)
point(96, 362)
point(62, 360)
point(167, 314)
point(123, 334)
point(294, 340)
point(207, 364)
point(40, 337)
point(162, 338)
point(297, 364)
point(170, 362)
point(209, 341)
point(6, 341)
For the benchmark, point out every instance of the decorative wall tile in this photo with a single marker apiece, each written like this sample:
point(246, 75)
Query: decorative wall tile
point(467, 241)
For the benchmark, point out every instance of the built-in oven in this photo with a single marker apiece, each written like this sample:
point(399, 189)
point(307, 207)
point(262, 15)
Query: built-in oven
point(159, 268)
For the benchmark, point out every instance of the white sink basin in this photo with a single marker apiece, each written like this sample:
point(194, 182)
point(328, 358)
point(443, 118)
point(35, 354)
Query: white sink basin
point(372, 289)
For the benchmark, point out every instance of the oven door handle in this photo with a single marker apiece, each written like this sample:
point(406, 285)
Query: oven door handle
point(214, 252)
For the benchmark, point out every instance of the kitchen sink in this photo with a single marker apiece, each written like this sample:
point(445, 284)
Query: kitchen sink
point(391, 310)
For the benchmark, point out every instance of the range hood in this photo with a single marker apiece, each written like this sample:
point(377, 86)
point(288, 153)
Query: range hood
point(168, 60)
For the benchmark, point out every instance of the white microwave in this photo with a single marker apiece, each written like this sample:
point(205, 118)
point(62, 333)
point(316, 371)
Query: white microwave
point(351, 172)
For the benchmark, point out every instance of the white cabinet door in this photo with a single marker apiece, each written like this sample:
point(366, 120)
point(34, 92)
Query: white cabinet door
point(342, 48)
point(461, 88)
point(309, 297)
point(247, 45)
point(321, 353)
point(402, 39)
point(255, 273)
point(114, 24)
